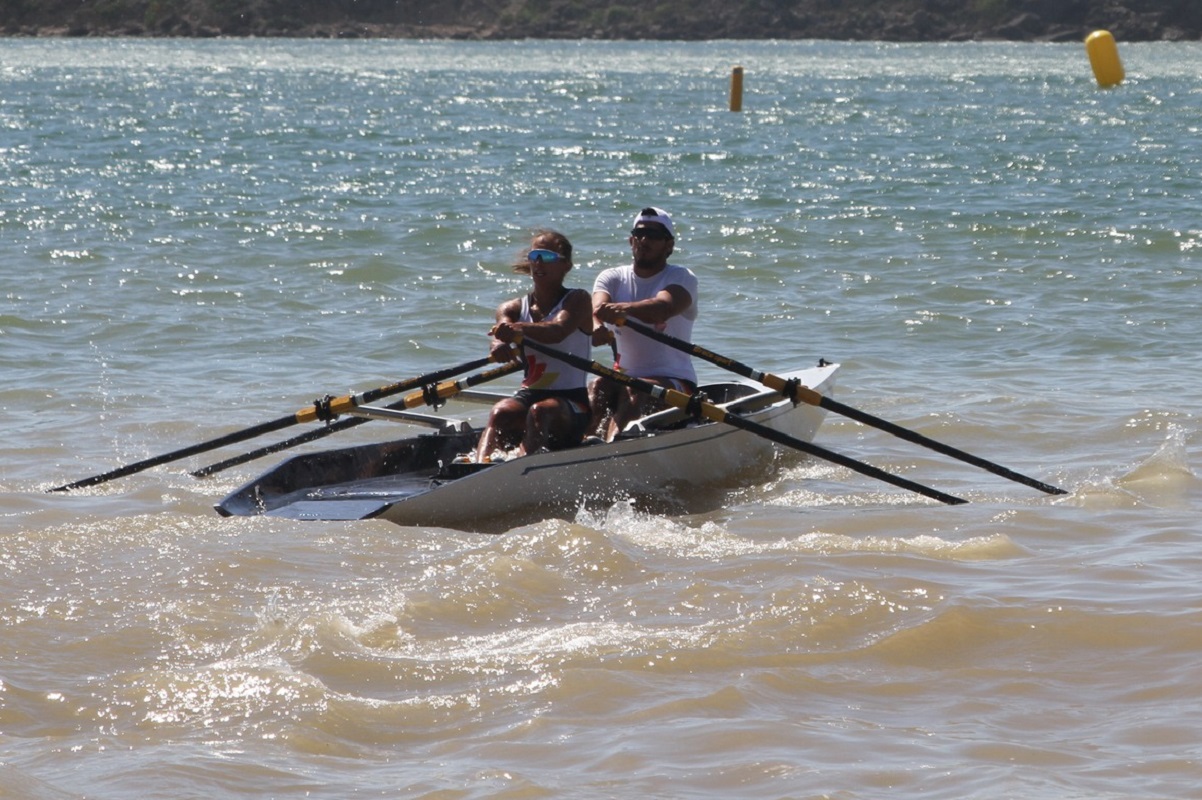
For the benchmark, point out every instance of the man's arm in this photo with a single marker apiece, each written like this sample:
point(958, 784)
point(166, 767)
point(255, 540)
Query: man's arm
point(667, 303)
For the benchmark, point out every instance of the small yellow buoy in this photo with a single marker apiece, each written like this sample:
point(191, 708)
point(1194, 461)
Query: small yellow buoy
point(736, 89)
point(1104, 58)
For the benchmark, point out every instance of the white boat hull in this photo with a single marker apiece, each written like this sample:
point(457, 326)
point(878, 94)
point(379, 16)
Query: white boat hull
point(675, 469)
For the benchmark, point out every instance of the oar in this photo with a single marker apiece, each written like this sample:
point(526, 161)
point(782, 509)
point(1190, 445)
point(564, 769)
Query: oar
point(440, 392)
point(798, 393)
point(710, 411)
point(321, 409)
point(307, 436)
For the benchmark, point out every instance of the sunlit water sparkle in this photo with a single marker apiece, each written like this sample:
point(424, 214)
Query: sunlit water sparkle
point(205, 235)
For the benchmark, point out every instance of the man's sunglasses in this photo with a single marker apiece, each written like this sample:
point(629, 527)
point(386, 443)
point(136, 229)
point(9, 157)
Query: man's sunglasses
point(649, 233)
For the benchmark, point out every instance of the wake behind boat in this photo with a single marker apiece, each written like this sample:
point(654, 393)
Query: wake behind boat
point(667, 460)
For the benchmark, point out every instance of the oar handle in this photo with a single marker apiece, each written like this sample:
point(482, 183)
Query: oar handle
point(791, 389)
point(713, 412)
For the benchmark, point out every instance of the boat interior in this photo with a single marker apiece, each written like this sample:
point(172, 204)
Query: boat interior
point(418, 460)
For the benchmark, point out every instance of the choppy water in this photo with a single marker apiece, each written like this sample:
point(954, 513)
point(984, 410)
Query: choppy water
point(202, 236)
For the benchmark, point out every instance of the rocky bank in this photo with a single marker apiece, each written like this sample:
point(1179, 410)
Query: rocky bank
point(881, 20)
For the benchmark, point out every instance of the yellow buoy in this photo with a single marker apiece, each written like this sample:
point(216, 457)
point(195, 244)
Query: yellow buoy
point(736, 89)
point(1104, 58)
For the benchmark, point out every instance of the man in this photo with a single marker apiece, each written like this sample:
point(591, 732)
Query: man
point(654, 292)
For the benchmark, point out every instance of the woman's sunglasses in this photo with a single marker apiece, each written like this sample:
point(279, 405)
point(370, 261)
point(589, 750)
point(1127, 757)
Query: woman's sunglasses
point(543, 256)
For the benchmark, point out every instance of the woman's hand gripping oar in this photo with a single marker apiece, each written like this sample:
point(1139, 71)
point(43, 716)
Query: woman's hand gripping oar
point(802, 394)
point(710, 411)
point(323, 410)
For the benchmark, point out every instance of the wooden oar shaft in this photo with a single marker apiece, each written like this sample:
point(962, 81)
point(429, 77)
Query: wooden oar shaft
point(318, 410)
point(710, 411)
point(804, 394)
point(449, 389)
point(441, 391)
point(341, 405)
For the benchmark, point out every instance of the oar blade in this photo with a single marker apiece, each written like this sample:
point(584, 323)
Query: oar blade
point(324, 410)
point(939, 447)
point(803, 394)
point(176, 455)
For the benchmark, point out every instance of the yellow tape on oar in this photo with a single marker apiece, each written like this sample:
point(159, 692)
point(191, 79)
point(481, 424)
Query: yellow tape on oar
point(328, 408)
point(428, 395)
point(344, 424)
point(448, 389)
point(325, 410)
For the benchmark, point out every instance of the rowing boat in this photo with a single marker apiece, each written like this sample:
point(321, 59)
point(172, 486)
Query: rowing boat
point(667, 461)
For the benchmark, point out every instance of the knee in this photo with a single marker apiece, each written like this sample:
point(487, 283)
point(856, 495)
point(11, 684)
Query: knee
point(541, 415)
point(506, 414)
point(629, 398)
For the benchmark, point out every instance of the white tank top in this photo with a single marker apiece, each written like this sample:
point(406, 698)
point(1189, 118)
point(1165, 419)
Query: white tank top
point(551, 373)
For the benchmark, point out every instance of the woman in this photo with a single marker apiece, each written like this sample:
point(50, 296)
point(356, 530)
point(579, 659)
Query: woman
point(550, 411)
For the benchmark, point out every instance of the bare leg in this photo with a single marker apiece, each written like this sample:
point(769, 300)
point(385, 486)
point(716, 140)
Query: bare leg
point(548, 424)
point(603, 395)
point(632, 404)
point(505, 423)
point(629, 407)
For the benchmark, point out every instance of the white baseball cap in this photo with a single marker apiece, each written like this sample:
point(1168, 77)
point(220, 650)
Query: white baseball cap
point(656, 215)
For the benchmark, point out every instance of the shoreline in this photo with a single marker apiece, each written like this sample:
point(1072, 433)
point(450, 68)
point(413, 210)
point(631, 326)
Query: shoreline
point(352, 32)
point(700, 20)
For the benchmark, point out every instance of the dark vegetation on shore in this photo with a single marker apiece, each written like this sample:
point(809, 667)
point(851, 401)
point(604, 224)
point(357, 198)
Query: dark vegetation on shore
point(881, 20)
